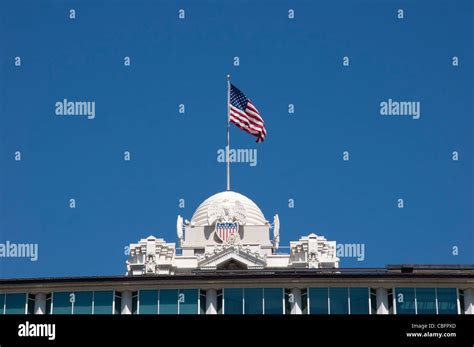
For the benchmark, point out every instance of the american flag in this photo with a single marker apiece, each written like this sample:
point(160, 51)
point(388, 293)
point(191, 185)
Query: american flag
point(245, 115)
point(224, 230)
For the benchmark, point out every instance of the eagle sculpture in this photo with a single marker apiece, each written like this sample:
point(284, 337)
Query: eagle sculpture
point(226, 211)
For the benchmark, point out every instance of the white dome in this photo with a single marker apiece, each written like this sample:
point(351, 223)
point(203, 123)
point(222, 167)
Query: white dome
point(254, 214)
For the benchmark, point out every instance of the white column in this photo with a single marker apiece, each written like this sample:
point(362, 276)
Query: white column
point(40, 303)
point(126, 302)
point(296, 304)
point(469, 301)
point(211, 301)
point(382, 300)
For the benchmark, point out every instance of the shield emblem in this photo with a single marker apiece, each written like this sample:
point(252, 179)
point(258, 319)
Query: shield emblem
point(225, 230)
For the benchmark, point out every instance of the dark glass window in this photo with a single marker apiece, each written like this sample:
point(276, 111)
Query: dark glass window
point(447, 301)
point(62, 302)
point(390, 301)
point(219, 301)
point(15, 303)
point(425, 300)
point(103, 302)
point(405, 300)
point(288, 301)
point(2, 303)
point(461, 300)
point(83, 302)
point(273, 300)
point(188, 301)
point(318, 301)
point(118, 303)
point(31, 304)
point(233, 300)
point(253, 300)
point(359, 299)
point(373, 301)
point(169, 301)
point(338, 301)
point(134, 302)
point(48, 303)
point(304, 301)
point(202, 302)
point(148, 301)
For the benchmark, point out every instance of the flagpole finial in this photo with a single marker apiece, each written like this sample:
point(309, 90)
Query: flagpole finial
point(228, 77)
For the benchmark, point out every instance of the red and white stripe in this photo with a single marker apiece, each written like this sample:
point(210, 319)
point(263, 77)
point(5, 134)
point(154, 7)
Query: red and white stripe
point(224, 231)
point(249, 121)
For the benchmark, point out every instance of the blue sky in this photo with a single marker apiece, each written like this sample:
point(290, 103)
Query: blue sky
point(174, 156)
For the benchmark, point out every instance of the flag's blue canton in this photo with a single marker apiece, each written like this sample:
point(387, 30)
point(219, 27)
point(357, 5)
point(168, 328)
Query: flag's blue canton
point(238, 99)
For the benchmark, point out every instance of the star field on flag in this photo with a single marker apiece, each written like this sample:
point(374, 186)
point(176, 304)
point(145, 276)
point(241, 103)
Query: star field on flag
point(245, 115)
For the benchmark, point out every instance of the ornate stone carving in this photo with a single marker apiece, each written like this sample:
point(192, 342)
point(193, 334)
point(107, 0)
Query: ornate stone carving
point(179, 229)
point(150, 263)
point(227, 211)
point(276, 231)
point(151, 256)
point(313, 251)
point(227, 216)
point(226, 252)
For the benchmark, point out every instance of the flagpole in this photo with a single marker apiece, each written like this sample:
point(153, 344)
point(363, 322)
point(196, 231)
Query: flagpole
point(228, 132)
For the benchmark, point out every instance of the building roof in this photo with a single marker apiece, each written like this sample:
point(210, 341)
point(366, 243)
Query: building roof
point(391, 272)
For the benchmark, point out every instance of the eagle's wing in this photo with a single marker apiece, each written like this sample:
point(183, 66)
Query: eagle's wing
point(239, 213)
point(214, 213)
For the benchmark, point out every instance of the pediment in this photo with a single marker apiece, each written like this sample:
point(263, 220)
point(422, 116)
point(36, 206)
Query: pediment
point(241, 258)
point(232, 264)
